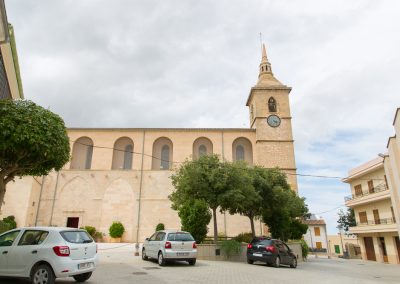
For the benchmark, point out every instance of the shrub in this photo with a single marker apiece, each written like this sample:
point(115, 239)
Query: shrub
point(304, 249)
point(195, 217)
point(8, 223)
point(231, 247)
point(160, 227)
point(98, 236)
point(244, 237)
point(116, 230)
point(91, 230)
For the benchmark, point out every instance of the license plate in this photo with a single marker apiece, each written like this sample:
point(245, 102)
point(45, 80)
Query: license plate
point(85, 265)
point(182, 254)
point(257, 254)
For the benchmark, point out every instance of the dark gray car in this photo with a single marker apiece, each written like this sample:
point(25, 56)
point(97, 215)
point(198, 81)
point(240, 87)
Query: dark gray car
point(271, 251)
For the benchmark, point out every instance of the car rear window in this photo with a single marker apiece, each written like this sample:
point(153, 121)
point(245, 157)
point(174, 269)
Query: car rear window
point(263, 242)
point(180, 237)
point(76, 237)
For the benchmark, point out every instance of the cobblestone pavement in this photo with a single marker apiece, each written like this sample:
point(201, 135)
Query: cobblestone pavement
point(120, 266)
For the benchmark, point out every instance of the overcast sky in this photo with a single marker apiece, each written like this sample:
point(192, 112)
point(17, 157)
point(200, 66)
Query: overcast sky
point(192, 63)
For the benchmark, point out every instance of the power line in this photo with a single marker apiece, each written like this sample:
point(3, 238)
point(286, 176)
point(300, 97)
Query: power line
point(176, 162)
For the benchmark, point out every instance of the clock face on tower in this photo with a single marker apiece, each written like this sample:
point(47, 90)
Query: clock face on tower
point(273, 120)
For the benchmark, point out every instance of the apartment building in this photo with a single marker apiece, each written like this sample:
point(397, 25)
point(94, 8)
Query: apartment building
point(370, 198)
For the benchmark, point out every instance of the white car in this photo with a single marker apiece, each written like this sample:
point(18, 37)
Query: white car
point(43, 254)
point(170, 245)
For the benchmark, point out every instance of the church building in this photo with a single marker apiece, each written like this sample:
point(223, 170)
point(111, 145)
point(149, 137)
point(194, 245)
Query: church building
point(123, 174)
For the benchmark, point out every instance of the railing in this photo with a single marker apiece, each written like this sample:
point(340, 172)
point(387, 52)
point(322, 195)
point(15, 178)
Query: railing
point(376, 189)
point(385, 221)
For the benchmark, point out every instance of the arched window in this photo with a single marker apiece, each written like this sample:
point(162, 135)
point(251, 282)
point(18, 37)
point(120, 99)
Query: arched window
point(82, 153)
point(128, 157)
point(164, 157)
point(122, 154)
point(202, 146)
point(239, 153)
point(271, 105)
point(162, 154)
point(202, 150)
point(242, 150)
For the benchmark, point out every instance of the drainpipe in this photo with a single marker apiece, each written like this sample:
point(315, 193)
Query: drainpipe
point(140, 196)
point(223, 159)
point(54, 200)
point(40, 198)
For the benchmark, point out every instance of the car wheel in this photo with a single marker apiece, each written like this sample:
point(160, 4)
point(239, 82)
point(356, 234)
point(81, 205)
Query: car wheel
point(277, 262)
point(161, 259)
point(82, 277)
point(294, 263)
point(192, 261)
point(144, 256)
point(42, 274)
point(249, 261)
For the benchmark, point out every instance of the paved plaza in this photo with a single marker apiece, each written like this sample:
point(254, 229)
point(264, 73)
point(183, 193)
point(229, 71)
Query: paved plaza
point(119, 265)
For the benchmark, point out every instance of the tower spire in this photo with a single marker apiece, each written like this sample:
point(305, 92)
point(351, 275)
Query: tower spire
point(265, 76)
point(264, 58)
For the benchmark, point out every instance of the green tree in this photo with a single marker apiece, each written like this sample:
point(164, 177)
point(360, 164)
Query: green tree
point(297, 229)
point(346, 220)
point(195, 216)
point(244, 197)
point(281, 204)
point(205, 179)
point(33, 141)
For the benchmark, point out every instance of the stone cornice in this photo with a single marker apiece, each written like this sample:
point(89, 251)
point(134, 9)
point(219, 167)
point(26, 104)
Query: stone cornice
point(162, 129)
point(272, 88)
point(281, 141)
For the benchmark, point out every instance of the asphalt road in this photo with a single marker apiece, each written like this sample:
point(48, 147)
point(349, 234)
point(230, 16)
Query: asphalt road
point(120, 266)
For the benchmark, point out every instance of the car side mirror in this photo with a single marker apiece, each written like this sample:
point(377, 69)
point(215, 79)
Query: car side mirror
point(147, 239)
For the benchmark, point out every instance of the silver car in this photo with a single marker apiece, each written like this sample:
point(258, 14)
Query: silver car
point(170, 245)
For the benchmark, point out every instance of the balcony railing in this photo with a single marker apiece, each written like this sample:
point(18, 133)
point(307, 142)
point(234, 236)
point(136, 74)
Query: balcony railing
point(376, 189)
point(386, 221)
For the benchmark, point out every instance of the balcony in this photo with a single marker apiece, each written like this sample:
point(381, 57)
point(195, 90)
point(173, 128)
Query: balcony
point(377, 193)
point(375, 226)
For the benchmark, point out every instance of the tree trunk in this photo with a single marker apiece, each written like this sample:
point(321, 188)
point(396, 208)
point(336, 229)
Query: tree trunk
point(253, 231)
point(214, 210)
point(2, 191)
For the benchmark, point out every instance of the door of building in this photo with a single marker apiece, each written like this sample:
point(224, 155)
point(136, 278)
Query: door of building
point(397, 241)
point(376, 217)
point(369, 248)
point(73, 222)
point(383, 249)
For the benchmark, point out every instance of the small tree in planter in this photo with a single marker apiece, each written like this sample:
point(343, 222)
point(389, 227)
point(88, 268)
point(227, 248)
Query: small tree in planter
point(116, 231)
point(160, 227)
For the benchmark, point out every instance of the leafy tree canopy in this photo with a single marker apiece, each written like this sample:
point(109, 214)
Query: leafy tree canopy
point(204, 179)
point(33, 141)
point(346, 220)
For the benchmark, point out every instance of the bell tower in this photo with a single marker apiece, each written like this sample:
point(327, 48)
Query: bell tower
point(269, 108)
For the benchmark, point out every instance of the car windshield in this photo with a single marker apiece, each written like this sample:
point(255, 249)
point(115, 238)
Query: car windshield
point(76, 237)
point(180, 237)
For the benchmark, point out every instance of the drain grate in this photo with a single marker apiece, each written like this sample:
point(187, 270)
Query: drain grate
point(151, 267)
point(139, 273)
